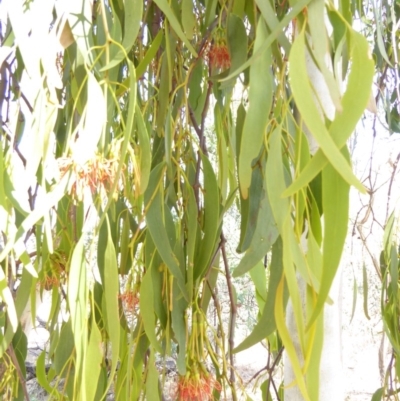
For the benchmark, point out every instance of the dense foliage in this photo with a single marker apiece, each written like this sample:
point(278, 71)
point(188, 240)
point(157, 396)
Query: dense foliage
point(129, 130)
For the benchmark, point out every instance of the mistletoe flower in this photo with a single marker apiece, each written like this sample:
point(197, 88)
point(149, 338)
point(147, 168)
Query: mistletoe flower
point(196, 387)
point(219, 56)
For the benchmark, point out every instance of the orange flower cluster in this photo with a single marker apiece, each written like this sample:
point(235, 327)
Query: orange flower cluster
point(96, 173)
point(130, 300)
point(54, 275)
point(197, 387)
point(49, 282)
point(219, 56)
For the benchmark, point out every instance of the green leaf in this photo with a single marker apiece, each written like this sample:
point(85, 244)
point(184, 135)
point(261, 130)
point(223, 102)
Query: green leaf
point(125, 262)
point(78, 301)
point(264, 236)
point(292, 256)
point(259, 278)
point(209, 242)
point(147, 310)
point(133, 14)
point(154, 219)
point(166, 9)
point(150, 54)
point(211, 282)
point(287, 341)
point(266, 324)
point(80, 20)
point(295, 9)
point(126, 137)
point(387, 237)
point(237, 43)
point(179, 328)
point(238, 7)
point(355, 291)
point(272, 21)
point(365, 291)
point(192, 229)
point(95, 113)
point(318, 45)
point(250, 209)
point(64, 352)
point(144, 149)
point(335, 199)
point(110, 297)
point(93, 361)
point(379, 37)
point(23, 293)
point(152, 387)
point(188, 18)
point(304, 97)
point(378, 395)
point(41, 373)
point(394, 271)
point(354, 102)
point(255, 124)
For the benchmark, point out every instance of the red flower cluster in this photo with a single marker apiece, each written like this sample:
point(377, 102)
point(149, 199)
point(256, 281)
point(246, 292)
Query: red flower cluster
point(130, 300)
point(219, 56)
point(197, 387)
point(96, 173)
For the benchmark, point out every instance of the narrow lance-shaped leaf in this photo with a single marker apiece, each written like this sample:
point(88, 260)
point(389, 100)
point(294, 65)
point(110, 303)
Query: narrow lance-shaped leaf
point(154, 220)
point(272, 21)
point(167, 10)
point(295, 9)
point(287, 340)
point(303, 95)
point(188, 18)
point(335, 199)
point(93, 361)
point(133, 13)
point(275, 184)
point(250, 209)
point(147, 310)
point(145, 152)
point(365, 291)
point(354, 102)
point(209, 242)
point(95, 112)
point(127, 134)
point(264, 236)
point(111, 292)
point(266, 324)
point(77, 302)
point(255, 124)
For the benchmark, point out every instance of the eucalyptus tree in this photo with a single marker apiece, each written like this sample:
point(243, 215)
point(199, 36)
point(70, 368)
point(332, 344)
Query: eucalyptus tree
point(112, 199)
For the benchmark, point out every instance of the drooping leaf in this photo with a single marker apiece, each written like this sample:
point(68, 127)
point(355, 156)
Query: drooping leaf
point(335, 199)
point(303, 94)
point(264, 236)
point(77, 302)
point(354, 102)
point(154, 219)
point(93, 362)
point(255, 124)
point(266, 324)
point(211, 229)
point(108, 257)
point(166, 9)
point(147, 310)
